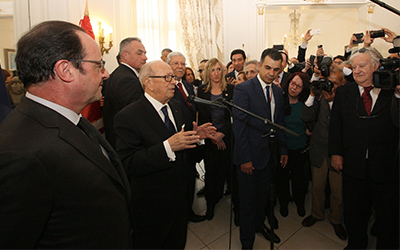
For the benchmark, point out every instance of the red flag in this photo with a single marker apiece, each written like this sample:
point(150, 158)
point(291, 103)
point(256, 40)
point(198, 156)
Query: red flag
point(92, 112)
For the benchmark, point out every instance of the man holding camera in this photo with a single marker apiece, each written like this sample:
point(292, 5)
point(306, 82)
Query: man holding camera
point(317, 111)
point(363, 143)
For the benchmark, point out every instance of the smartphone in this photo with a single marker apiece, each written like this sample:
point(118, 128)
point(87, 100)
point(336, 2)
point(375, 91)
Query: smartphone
point(278, 47)
point(315, 32)
point(358, 36)
point(377, 33)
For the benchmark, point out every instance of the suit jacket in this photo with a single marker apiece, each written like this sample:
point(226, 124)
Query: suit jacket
point(122, 88)
point(301, 54)
point(205, 110)
point(62, 192)
point(318, 114)
point(250, 144)
point(352, 132)
point(140, 136)
point(189, 112)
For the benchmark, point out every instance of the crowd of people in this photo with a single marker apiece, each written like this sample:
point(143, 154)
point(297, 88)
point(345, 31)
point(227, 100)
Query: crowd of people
point(67, 186)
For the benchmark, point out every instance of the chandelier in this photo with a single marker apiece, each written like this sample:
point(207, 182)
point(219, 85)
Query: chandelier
point(293, 39)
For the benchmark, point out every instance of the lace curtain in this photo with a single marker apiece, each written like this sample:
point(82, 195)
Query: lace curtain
point(201, 30)
point(193, 27)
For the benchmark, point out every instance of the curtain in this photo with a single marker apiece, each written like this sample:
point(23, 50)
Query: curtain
point(201, 31)
point(157, 25)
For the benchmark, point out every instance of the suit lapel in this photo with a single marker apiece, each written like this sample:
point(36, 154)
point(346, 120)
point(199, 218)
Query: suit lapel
point(384, 98)
point(71, 134)
point(259, 94)
point(153, 119)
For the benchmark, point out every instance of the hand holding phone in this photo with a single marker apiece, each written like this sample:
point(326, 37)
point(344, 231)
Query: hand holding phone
point(315, 32)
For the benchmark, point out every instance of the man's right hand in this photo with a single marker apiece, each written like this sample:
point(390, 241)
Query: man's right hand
point(247, 168)
point(337, 162)
point(183, 140)
point(307, 37)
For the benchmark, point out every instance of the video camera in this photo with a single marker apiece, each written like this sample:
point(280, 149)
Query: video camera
point(388, 76)
point(323, 84)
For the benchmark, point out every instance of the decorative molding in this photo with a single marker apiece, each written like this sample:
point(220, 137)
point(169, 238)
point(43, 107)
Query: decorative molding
point(314, 3)
point(6, 9)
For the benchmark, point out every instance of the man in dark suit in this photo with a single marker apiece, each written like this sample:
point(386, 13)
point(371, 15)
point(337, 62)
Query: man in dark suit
point(123, 87)
point(154, 156)
point(183, 89)
point(317, 112)
point(62, 184)
point(238, 58)
point(252, 148)
point(363, 143)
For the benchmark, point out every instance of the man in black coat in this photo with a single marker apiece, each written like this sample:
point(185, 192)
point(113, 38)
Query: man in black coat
point(123, 87)
point(152, 144)
point(62, 185)
point(183, 89)
point(363, 143)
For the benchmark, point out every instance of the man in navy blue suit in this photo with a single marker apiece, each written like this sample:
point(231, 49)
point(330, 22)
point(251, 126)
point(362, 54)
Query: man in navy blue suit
point(252, 149)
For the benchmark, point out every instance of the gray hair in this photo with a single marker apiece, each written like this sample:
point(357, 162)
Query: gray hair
point(374, 53)
point(255, 62)
point(126, 42)
point(172, 54)
point(146, 71)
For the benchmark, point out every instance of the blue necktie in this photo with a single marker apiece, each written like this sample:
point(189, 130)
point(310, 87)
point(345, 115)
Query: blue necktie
point(167, 121)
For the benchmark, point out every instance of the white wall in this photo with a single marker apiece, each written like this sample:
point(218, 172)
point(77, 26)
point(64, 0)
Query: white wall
point(117, 13)
point(337, 23)
point(240, 22)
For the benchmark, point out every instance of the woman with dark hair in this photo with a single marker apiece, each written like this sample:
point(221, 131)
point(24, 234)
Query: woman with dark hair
point(297, 90)
point(189, 76)
point(217, 152)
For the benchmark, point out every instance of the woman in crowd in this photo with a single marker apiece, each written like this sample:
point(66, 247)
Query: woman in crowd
point(217, 152)
point(189, 76)
point(241, 77)
point(297, 90)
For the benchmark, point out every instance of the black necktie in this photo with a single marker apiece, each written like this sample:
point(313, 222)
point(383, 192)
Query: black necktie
point(167, 121)
point(268, 101)
point(88, 128)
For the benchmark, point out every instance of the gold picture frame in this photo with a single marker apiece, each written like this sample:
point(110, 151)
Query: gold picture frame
point(9, 57)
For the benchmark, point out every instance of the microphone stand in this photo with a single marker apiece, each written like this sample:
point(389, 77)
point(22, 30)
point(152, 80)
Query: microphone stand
point(273, 155)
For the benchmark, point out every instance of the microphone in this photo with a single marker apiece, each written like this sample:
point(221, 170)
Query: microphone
point(195, 99)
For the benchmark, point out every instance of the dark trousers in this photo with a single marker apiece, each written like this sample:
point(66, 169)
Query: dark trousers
point(253, 195)
point(216, 163)
point(160, 222)
point(294, 172)
point(359, 197)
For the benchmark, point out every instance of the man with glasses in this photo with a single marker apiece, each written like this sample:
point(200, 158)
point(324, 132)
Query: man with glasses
point(152, 142)
point(363, 143)
point(183, 89)
point(62, 183)
point(123, 86)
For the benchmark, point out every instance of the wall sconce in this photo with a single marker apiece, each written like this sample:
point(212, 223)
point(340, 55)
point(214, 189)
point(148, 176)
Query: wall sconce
point(102, 39)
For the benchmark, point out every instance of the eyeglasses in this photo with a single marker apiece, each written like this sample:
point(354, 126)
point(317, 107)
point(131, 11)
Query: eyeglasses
point(102, 63)
point(167, 78)
point(176, 64)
